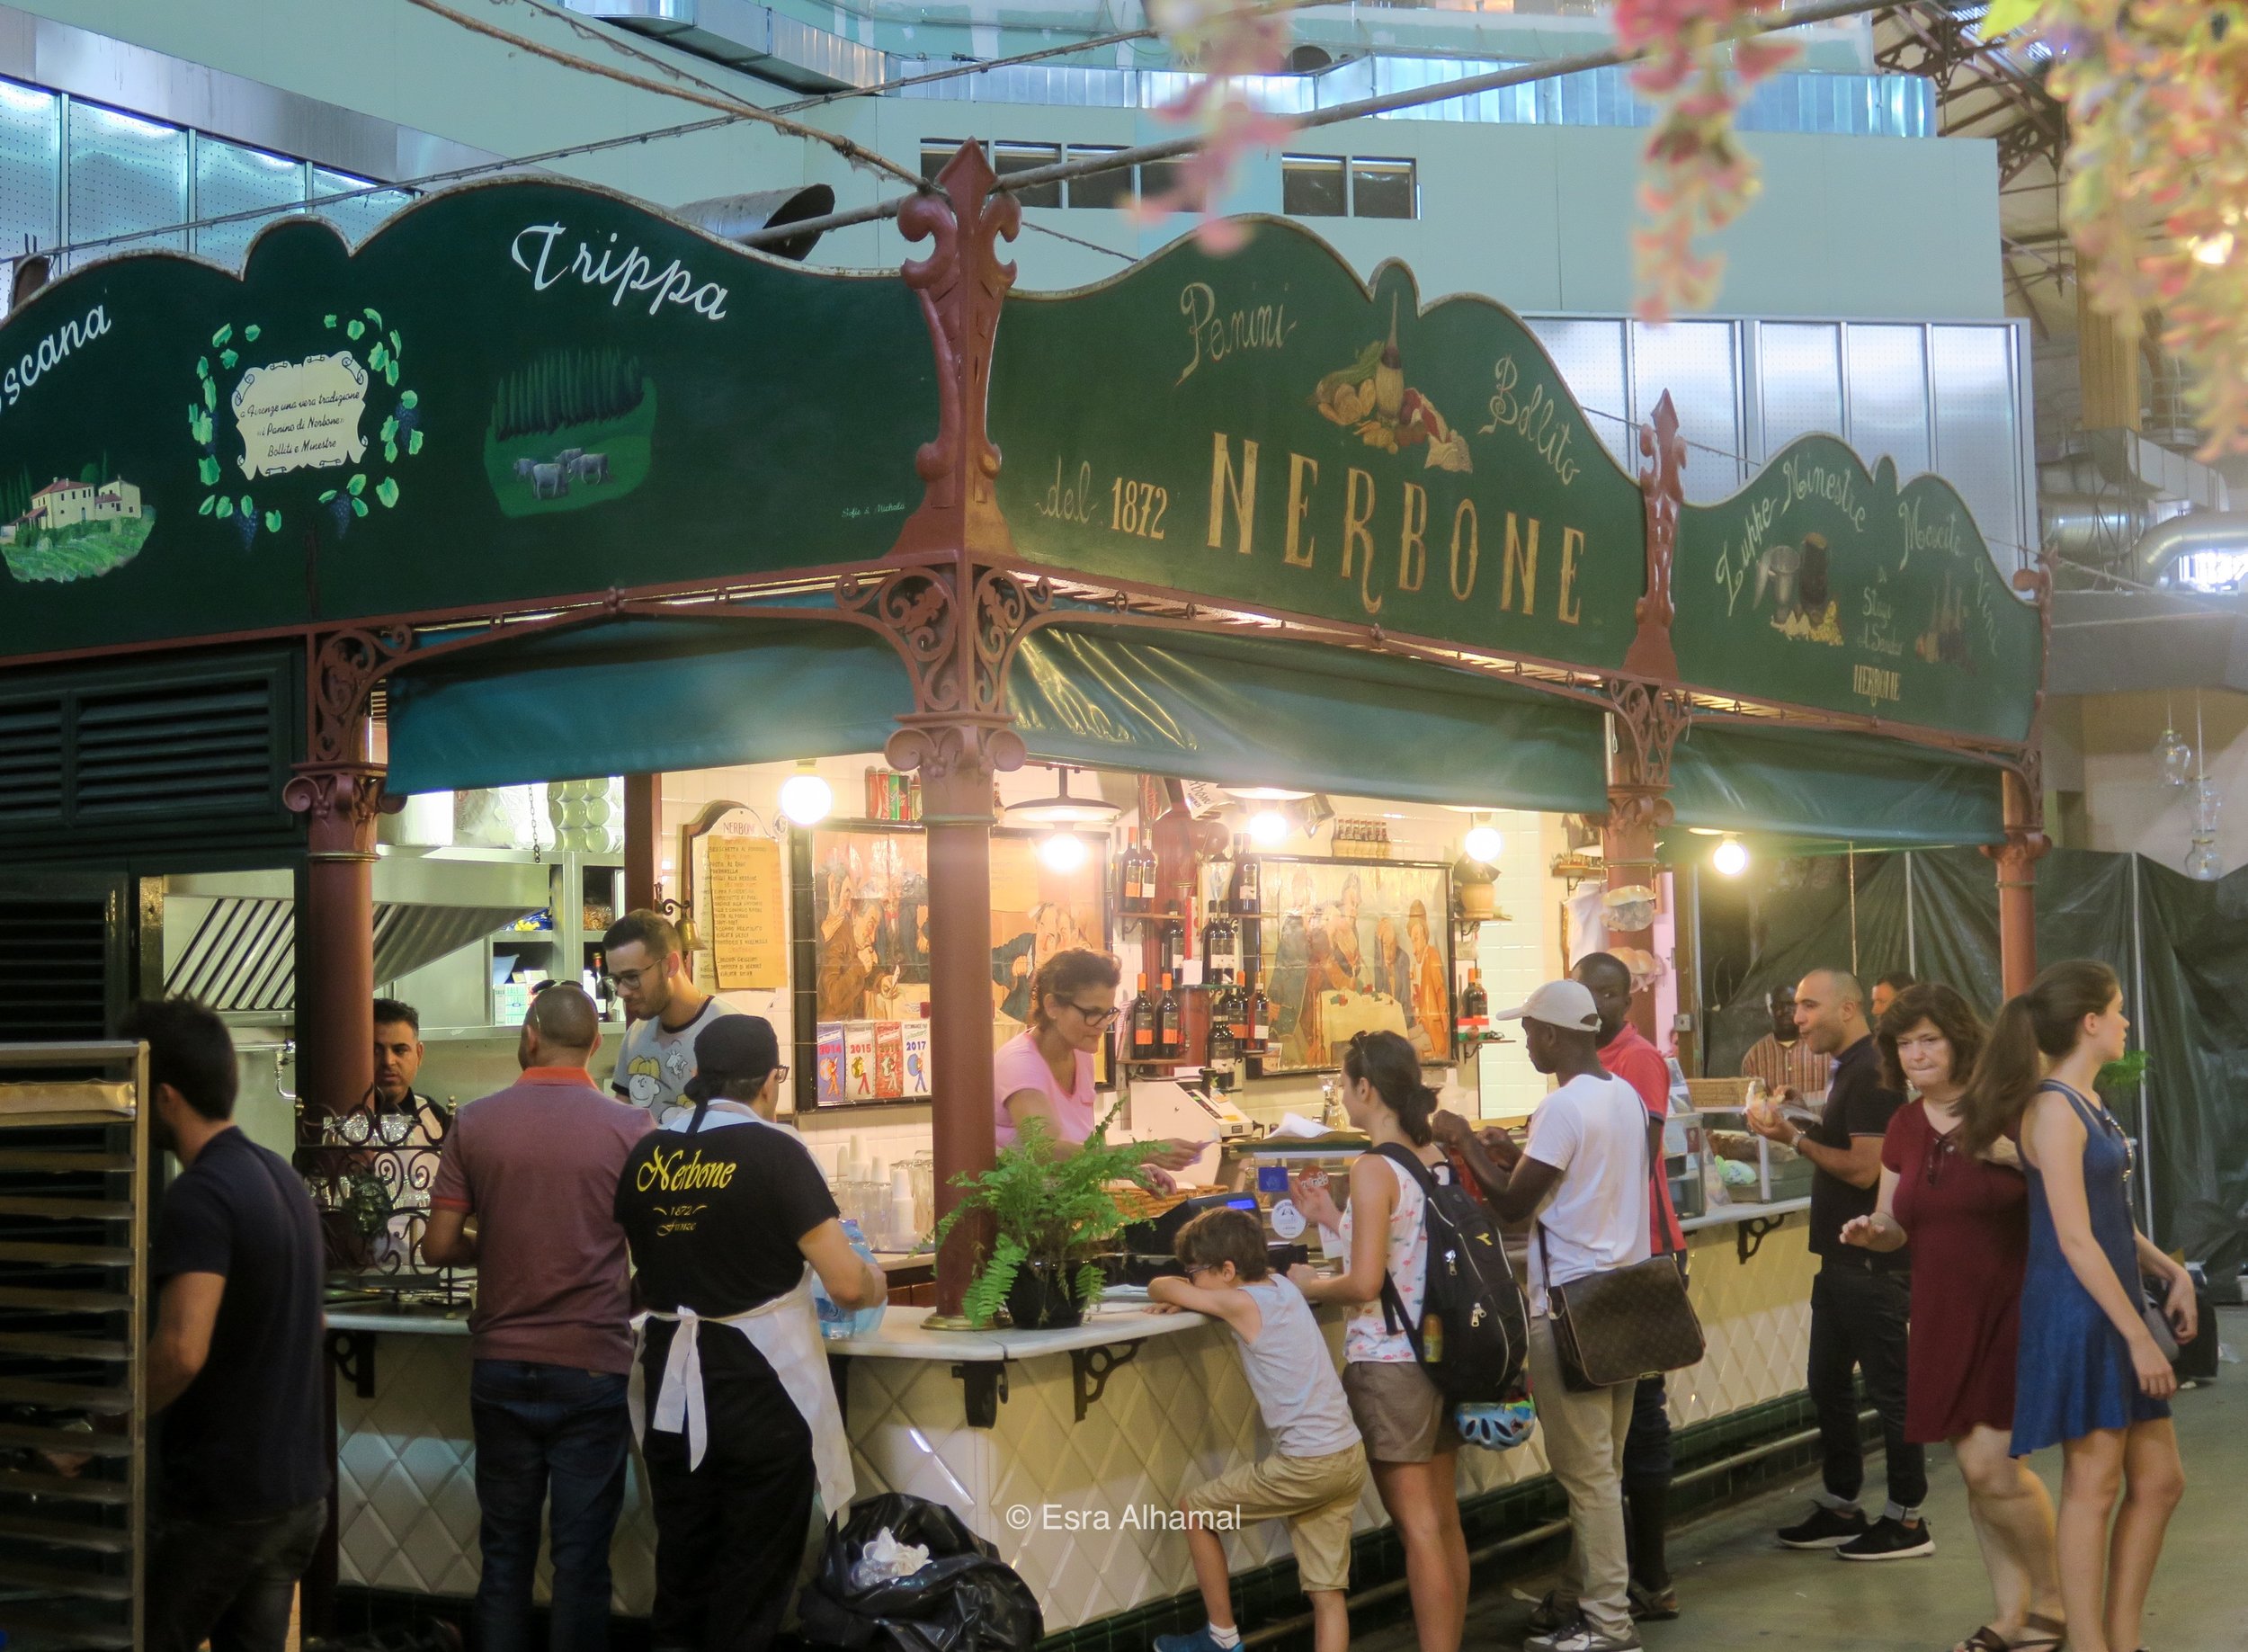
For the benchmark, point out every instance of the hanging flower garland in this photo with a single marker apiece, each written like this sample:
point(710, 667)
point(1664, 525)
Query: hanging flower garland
point(1701, 64)
point(1225, 39)
point(2158, 177)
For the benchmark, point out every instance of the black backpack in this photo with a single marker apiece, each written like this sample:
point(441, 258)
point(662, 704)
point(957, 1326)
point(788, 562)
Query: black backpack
point(1473, 1335)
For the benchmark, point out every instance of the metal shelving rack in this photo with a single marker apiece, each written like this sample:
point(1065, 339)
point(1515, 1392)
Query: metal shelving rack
point(77, 1183)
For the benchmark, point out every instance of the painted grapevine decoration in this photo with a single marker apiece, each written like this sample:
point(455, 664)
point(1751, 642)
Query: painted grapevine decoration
point(313, 414)
point(2158, 177)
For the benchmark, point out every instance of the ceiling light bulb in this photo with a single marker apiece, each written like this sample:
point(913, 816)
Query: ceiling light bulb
point(1062, 852)
point(1731, 858)
point(1267, 827)
point(1483, 844)
point(2216, 249)
point(806, 799)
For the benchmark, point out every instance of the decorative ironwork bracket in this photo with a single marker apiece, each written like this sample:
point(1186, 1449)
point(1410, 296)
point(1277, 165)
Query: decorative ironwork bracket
point(354, 1355)
point(1748, 1234)
point(1090, 1368)
point(1651, 721)
point(983, 1385)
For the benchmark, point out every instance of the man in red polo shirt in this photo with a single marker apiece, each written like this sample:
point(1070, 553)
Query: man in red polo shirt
point(1628, 1055)
point(536, 1166)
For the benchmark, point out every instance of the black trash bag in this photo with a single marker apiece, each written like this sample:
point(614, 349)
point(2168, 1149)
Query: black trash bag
point(966, 1599)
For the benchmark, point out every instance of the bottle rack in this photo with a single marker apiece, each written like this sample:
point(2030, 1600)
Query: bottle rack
point(76, 1173)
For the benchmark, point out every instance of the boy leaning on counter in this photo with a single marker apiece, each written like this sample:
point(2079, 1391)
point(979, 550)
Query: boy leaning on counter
point(1316, 1472)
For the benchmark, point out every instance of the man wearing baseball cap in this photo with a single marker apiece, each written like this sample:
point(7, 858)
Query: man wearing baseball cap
point(729, 1219)
point(1583, 1175)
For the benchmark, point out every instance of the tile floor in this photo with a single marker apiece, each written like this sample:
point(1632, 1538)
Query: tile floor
point(1740, 1591)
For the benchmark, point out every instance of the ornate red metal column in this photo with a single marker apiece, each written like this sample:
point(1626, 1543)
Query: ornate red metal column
point(1647, 717)
point(2018, 859)
point(339, 792)
point(956, 619)
point(642, 855)
point(1647, 722)
point(2024, 814)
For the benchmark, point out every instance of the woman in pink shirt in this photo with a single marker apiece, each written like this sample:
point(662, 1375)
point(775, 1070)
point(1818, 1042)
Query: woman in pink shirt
point(1046, 1070)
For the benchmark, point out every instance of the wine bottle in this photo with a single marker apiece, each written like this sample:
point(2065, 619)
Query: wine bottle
point(1170, 1044)
point(1246, 880)
point(1133, 898)
point(1474, 1014)
point(1260, 1020)
point(1219, 1057)
point(1221, 948)
point(1143, 1024)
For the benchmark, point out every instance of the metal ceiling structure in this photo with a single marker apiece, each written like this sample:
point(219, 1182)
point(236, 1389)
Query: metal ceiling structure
point(1998, 92)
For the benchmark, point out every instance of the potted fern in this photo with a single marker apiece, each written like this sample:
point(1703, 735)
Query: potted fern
point(1050, 1214)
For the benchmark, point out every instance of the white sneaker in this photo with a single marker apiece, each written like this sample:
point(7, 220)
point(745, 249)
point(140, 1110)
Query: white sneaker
point(1581, 1637)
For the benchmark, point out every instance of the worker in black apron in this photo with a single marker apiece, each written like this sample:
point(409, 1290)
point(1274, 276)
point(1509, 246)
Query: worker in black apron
point(729, 1219)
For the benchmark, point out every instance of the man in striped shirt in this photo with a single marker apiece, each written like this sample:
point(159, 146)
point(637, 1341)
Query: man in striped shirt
point(1783, 1059)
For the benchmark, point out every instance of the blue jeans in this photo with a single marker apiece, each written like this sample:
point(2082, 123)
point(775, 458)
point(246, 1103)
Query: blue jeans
point(544, 1430)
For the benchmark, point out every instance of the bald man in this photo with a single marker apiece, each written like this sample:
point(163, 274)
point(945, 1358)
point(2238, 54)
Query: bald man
point(536, 1166)
point(1860, 1299)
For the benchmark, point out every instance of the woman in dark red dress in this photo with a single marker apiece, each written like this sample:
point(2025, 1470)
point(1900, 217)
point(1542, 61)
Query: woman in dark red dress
point(1967, 1220)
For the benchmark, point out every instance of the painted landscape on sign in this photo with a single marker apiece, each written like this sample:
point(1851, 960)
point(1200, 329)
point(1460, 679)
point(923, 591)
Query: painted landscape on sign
point(571, 429)
point(71, 528)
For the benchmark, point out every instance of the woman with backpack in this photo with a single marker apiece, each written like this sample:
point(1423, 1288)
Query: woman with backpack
point(1405, 1420)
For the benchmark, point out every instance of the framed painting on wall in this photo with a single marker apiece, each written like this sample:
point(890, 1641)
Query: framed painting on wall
point(1349, 946)
point(860, 934)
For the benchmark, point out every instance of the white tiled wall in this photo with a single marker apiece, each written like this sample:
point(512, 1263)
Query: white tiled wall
point(1180, 1412)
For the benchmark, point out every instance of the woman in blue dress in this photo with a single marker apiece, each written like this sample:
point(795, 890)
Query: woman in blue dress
point(2090, 1376)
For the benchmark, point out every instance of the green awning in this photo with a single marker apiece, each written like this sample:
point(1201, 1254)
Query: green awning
point(641, 697)
point(635, 696)
point(1243, 710)
point(1792, 782)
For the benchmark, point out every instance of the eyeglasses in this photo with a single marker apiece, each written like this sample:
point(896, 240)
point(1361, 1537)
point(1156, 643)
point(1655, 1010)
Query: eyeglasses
point(1094, 1015)
point(631, 979)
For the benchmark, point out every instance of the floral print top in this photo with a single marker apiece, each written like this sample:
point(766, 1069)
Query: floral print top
point(1366, 1339)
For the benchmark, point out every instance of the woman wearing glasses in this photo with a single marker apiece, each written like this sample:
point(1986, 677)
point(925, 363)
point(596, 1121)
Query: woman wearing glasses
point(2092, 1375)
point(1045, 1071)
point(1966, 1217)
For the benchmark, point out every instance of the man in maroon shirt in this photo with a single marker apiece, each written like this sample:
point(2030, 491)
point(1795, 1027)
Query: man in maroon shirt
point(536, 1164)
point(1627, 1054)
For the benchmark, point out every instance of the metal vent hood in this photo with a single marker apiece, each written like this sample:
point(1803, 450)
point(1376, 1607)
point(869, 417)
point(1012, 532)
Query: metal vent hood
point(230, 938)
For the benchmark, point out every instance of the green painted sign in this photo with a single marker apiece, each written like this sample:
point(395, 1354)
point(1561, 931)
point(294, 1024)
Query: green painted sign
point(1823, 584)
point(1264, 428)
point(512, 391)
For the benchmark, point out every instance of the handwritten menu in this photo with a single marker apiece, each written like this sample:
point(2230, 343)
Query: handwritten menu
point(748, 948)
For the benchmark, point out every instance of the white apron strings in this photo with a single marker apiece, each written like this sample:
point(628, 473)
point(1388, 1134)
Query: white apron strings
point(786, 1331)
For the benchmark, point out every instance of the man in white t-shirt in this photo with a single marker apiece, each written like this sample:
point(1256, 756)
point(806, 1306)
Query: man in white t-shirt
point(1584, 1174)
point(667, 1010)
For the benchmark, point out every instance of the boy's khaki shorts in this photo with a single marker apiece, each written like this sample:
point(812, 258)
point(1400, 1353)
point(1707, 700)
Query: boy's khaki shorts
point(1317, 1496)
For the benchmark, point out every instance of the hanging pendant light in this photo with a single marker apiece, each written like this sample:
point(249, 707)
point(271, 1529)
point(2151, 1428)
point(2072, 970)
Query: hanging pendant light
point(1062, 810)
point(2174, 758)
point(2202, 861)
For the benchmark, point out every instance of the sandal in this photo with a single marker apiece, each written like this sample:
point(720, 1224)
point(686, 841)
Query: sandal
point(2044, 1635)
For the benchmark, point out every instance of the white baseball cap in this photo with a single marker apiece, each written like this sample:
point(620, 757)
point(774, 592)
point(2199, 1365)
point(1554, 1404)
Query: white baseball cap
point(1566, 1004)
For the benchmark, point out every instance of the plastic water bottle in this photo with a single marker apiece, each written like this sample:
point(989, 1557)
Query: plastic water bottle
point(835, 1321)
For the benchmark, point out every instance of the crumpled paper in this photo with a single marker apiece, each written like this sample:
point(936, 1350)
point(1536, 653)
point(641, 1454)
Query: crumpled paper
point(885, 1559)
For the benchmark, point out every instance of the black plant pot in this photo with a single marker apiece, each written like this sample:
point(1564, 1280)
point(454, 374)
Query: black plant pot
point(1043, 1298)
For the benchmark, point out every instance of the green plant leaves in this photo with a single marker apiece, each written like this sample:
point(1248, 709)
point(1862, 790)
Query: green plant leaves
point(386, 490)
point(409, 398)
point(250, 333)
point(413, 442)
point(273, 522)
point(218, 339)
point(357, 485)
point(207, 472)
point(226, 507)
point(355, 330)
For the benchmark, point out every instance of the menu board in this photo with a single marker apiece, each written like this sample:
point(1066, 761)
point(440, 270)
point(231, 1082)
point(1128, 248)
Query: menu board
point(748, 921)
